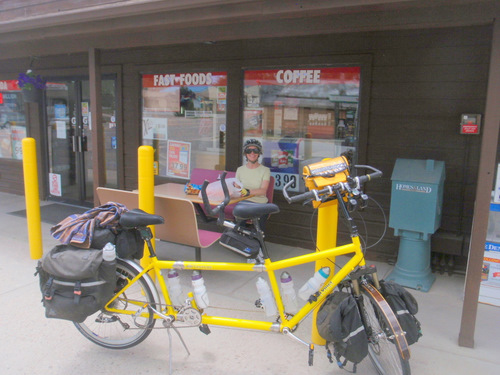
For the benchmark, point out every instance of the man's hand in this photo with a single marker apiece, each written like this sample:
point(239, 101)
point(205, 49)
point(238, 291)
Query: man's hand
point(245, 192)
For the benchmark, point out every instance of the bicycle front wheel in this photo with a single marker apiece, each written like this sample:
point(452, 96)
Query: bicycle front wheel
point(387, 345)
point(121, 331)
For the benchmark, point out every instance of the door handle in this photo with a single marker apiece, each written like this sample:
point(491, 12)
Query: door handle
point(79, 143)
point(83, 143)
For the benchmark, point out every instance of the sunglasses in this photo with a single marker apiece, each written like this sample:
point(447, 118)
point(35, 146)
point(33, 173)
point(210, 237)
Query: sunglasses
point(250, 150)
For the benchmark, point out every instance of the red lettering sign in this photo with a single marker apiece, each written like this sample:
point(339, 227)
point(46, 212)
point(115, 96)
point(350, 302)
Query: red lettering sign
point(311, 76)
point(185, 79)
point(9, 85)
point(469, 128)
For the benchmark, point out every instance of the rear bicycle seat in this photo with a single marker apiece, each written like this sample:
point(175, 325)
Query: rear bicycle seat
point(139, 218)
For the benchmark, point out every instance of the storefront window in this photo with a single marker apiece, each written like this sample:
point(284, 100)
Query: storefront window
point(301, 116)
point(184, 119)
point(12, 120)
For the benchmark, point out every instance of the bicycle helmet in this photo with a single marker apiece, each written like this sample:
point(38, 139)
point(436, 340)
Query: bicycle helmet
point(253, 142)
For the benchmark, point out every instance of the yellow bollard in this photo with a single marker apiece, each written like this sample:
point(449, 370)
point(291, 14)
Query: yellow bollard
point(326, 238)
point(146, 185)
point(32, 198)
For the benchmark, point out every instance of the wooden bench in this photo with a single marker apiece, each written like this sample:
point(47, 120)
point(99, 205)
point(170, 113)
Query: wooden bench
point(180, 224)
point(199, 175)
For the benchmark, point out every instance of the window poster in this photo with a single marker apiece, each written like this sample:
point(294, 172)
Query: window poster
point(154, 128)
point(61, 129)
point(55, 184)
point(12, 120)
point(178, 159)
point(18, 133)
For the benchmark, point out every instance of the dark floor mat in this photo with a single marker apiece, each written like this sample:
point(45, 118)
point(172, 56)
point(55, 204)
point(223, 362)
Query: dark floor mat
point(54, 213)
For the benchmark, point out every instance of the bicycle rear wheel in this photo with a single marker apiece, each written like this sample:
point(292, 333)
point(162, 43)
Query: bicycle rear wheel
point(121, 331)
point(387, 345)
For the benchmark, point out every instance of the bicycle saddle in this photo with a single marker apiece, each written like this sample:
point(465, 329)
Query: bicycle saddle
point(139, 218)
point(250, 210)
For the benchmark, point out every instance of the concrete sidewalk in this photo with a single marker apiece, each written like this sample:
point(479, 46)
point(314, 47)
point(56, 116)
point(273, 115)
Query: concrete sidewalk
point(33, 344)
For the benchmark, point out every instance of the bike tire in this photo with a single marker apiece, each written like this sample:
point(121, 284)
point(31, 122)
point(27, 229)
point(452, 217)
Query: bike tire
point(120, 331)
point(387, 346)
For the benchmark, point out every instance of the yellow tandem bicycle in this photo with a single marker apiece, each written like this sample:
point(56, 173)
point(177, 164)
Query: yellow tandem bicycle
point(130, 315)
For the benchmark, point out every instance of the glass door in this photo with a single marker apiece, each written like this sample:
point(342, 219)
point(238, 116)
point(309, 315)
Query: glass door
point(69, 139)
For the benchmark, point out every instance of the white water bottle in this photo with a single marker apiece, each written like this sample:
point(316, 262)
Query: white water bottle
point(288, 293)
point(174, 288)
point(109, 252)
point(199, 290)
point(312, 285)
point(266, 297)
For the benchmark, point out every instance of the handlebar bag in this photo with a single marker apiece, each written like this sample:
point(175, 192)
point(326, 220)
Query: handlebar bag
point(338, 321)
point(404, 306)
point(75, 282)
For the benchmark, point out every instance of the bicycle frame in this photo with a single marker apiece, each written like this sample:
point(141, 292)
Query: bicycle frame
point(155, 265)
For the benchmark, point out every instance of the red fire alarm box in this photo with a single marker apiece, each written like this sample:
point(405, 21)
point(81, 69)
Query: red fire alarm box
point(470, 124)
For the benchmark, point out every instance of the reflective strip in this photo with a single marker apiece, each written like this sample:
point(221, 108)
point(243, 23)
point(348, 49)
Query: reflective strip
point(354, 333)
point(402, 312)
point(83, 285)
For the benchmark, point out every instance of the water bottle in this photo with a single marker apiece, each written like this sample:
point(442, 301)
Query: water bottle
point(107, 270)
point(109, 252)
point(288, 293)
point(199, 290)
point(312, 285)
point(266, 297)
point(175, 288)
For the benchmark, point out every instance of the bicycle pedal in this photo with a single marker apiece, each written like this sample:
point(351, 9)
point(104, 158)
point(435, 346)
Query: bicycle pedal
point(205, 329)
point(311, 354)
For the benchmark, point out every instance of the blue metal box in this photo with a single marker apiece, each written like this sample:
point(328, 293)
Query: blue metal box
point(416, 196)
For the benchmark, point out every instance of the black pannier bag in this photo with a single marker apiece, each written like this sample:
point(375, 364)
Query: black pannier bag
point(129, 243)
point(404, 306)
point(338, 321)
point(240, 243)
point(75, 282)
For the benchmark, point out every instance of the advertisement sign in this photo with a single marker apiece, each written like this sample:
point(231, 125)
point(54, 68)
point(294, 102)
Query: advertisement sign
point(9, 85)
point(154, 128)
point(18, 134)
point(55, 184)
point(184, 79)
point(178, 159)
point(496, 192)
point(321, 76)
point(489, 291)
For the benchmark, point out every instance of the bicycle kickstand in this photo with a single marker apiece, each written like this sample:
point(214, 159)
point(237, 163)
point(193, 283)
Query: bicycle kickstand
point(168, 321)
point(289, 333)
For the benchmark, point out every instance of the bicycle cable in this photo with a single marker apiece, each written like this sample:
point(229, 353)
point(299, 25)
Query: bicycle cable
point(363, 240)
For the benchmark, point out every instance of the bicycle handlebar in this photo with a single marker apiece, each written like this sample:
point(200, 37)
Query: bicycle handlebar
point(311, 194)
point(367, 177)
point(314, 194)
